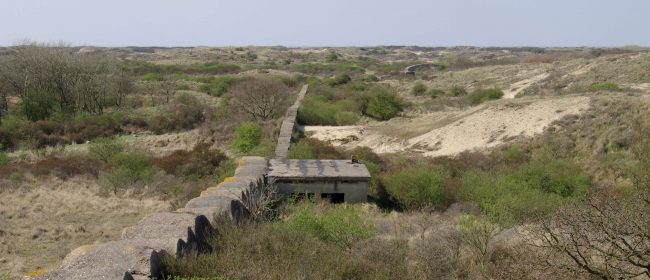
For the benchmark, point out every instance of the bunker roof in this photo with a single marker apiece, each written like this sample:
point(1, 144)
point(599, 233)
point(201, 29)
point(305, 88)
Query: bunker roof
point(312, 169)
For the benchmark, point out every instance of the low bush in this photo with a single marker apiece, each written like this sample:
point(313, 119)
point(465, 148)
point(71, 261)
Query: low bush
point(343, 225)
point(105, 148)
point(219, 85)
point(300, 150)
point(66, 166)
point(417, 187)
point(457, 91)
point(434, 93)
point(419, 89)
point(481, 95)
point(127, 168)
point(605, 87)
point(340, 79)
point(180, 115)
point(198, 163)
point(151, 77)
point(533, 189)
point(383, 104)
point(247, 137)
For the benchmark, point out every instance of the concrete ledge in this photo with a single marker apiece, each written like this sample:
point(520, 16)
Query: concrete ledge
point(160, 231)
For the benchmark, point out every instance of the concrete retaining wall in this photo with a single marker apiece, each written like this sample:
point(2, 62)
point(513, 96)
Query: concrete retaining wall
point(162, 231)
point(288, 125)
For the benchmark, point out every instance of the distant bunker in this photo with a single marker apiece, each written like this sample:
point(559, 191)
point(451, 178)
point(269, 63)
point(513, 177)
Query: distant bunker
point(336, 180)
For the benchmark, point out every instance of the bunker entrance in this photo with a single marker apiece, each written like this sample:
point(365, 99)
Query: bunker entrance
point(333, 197)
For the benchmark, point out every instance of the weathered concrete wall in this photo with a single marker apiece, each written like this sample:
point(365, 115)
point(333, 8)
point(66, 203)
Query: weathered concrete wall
point(288, 125)
point(354, 192)
point(161, 231)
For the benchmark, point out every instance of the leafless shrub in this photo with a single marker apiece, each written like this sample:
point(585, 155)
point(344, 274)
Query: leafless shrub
point(261, 98)
point(607, 238)
point(74, 82)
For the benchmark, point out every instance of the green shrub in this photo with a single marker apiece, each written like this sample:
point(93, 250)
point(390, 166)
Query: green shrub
point(419, 89)
point(219, 85)
point(417, 187)
point(481, 95)
point(247, 137)
point(105, 148)
point(37, 105)
point(300, 150)
point(4, 158)
point(458, 91)
point(343, 225)
point(128, 168)
point(318, 110)
point(340, 79)
point(533, 189)
point(434, 93)
point(383, 105)
point(151, 77)
point(331, 57)
point(605, 87)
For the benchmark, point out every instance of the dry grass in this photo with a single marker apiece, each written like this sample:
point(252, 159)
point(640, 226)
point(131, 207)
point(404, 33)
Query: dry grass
point(43, 219)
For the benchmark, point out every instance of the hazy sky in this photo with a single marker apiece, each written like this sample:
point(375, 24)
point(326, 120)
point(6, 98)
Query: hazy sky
point(328, 22)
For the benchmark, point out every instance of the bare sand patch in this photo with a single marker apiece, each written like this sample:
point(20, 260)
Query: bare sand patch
point(449, 133)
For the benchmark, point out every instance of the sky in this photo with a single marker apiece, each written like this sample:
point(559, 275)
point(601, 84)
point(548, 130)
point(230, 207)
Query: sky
point(310, 23)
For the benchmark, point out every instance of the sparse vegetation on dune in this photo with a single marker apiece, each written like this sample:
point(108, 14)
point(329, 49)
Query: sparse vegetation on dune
point(483, 214)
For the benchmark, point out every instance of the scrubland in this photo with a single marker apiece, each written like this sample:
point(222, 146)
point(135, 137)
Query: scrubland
point(520, 163)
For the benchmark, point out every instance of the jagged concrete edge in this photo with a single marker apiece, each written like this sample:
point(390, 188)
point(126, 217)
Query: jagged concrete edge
point(131, 254)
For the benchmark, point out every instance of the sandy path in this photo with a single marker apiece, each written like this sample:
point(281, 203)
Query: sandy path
point(518, 87)
point(480, 127)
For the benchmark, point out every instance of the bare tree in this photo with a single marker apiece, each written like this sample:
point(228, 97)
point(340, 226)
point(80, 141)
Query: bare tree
point(261, 98)
point(168, 88)
point(608, 238)
point(73, 82)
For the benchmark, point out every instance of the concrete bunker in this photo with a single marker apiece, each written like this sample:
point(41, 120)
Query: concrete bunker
point(335, 180)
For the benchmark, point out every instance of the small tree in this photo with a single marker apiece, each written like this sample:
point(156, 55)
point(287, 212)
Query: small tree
point(261, 98)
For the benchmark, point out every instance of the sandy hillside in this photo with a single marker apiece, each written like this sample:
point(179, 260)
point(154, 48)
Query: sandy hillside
point(42, 220)
point(450, 133)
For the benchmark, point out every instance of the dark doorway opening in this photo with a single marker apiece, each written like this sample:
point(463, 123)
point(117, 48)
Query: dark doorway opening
point(333, 197)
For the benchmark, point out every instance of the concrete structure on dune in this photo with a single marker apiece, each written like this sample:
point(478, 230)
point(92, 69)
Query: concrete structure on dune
point(336, 180)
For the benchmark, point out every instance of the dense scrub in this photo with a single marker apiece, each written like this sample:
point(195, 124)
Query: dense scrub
point(345, 105)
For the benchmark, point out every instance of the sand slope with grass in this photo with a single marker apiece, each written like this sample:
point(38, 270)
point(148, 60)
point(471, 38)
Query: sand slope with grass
point(449, 133)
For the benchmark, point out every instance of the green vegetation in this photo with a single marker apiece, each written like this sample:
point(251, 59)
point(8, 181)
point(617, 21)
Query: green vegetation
point(605, 87)
point(105, 148)
point(340, 79)
point(342, 225)
point(434, 92)
point(535, 188)
point(247, 136)
point(458, 91)
point(417, 187)
point(127, 168)
point(219, 85)
point(383, 105)
point(151, 77)
point(419, 89)
point(346, 104)
point(481, 95)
